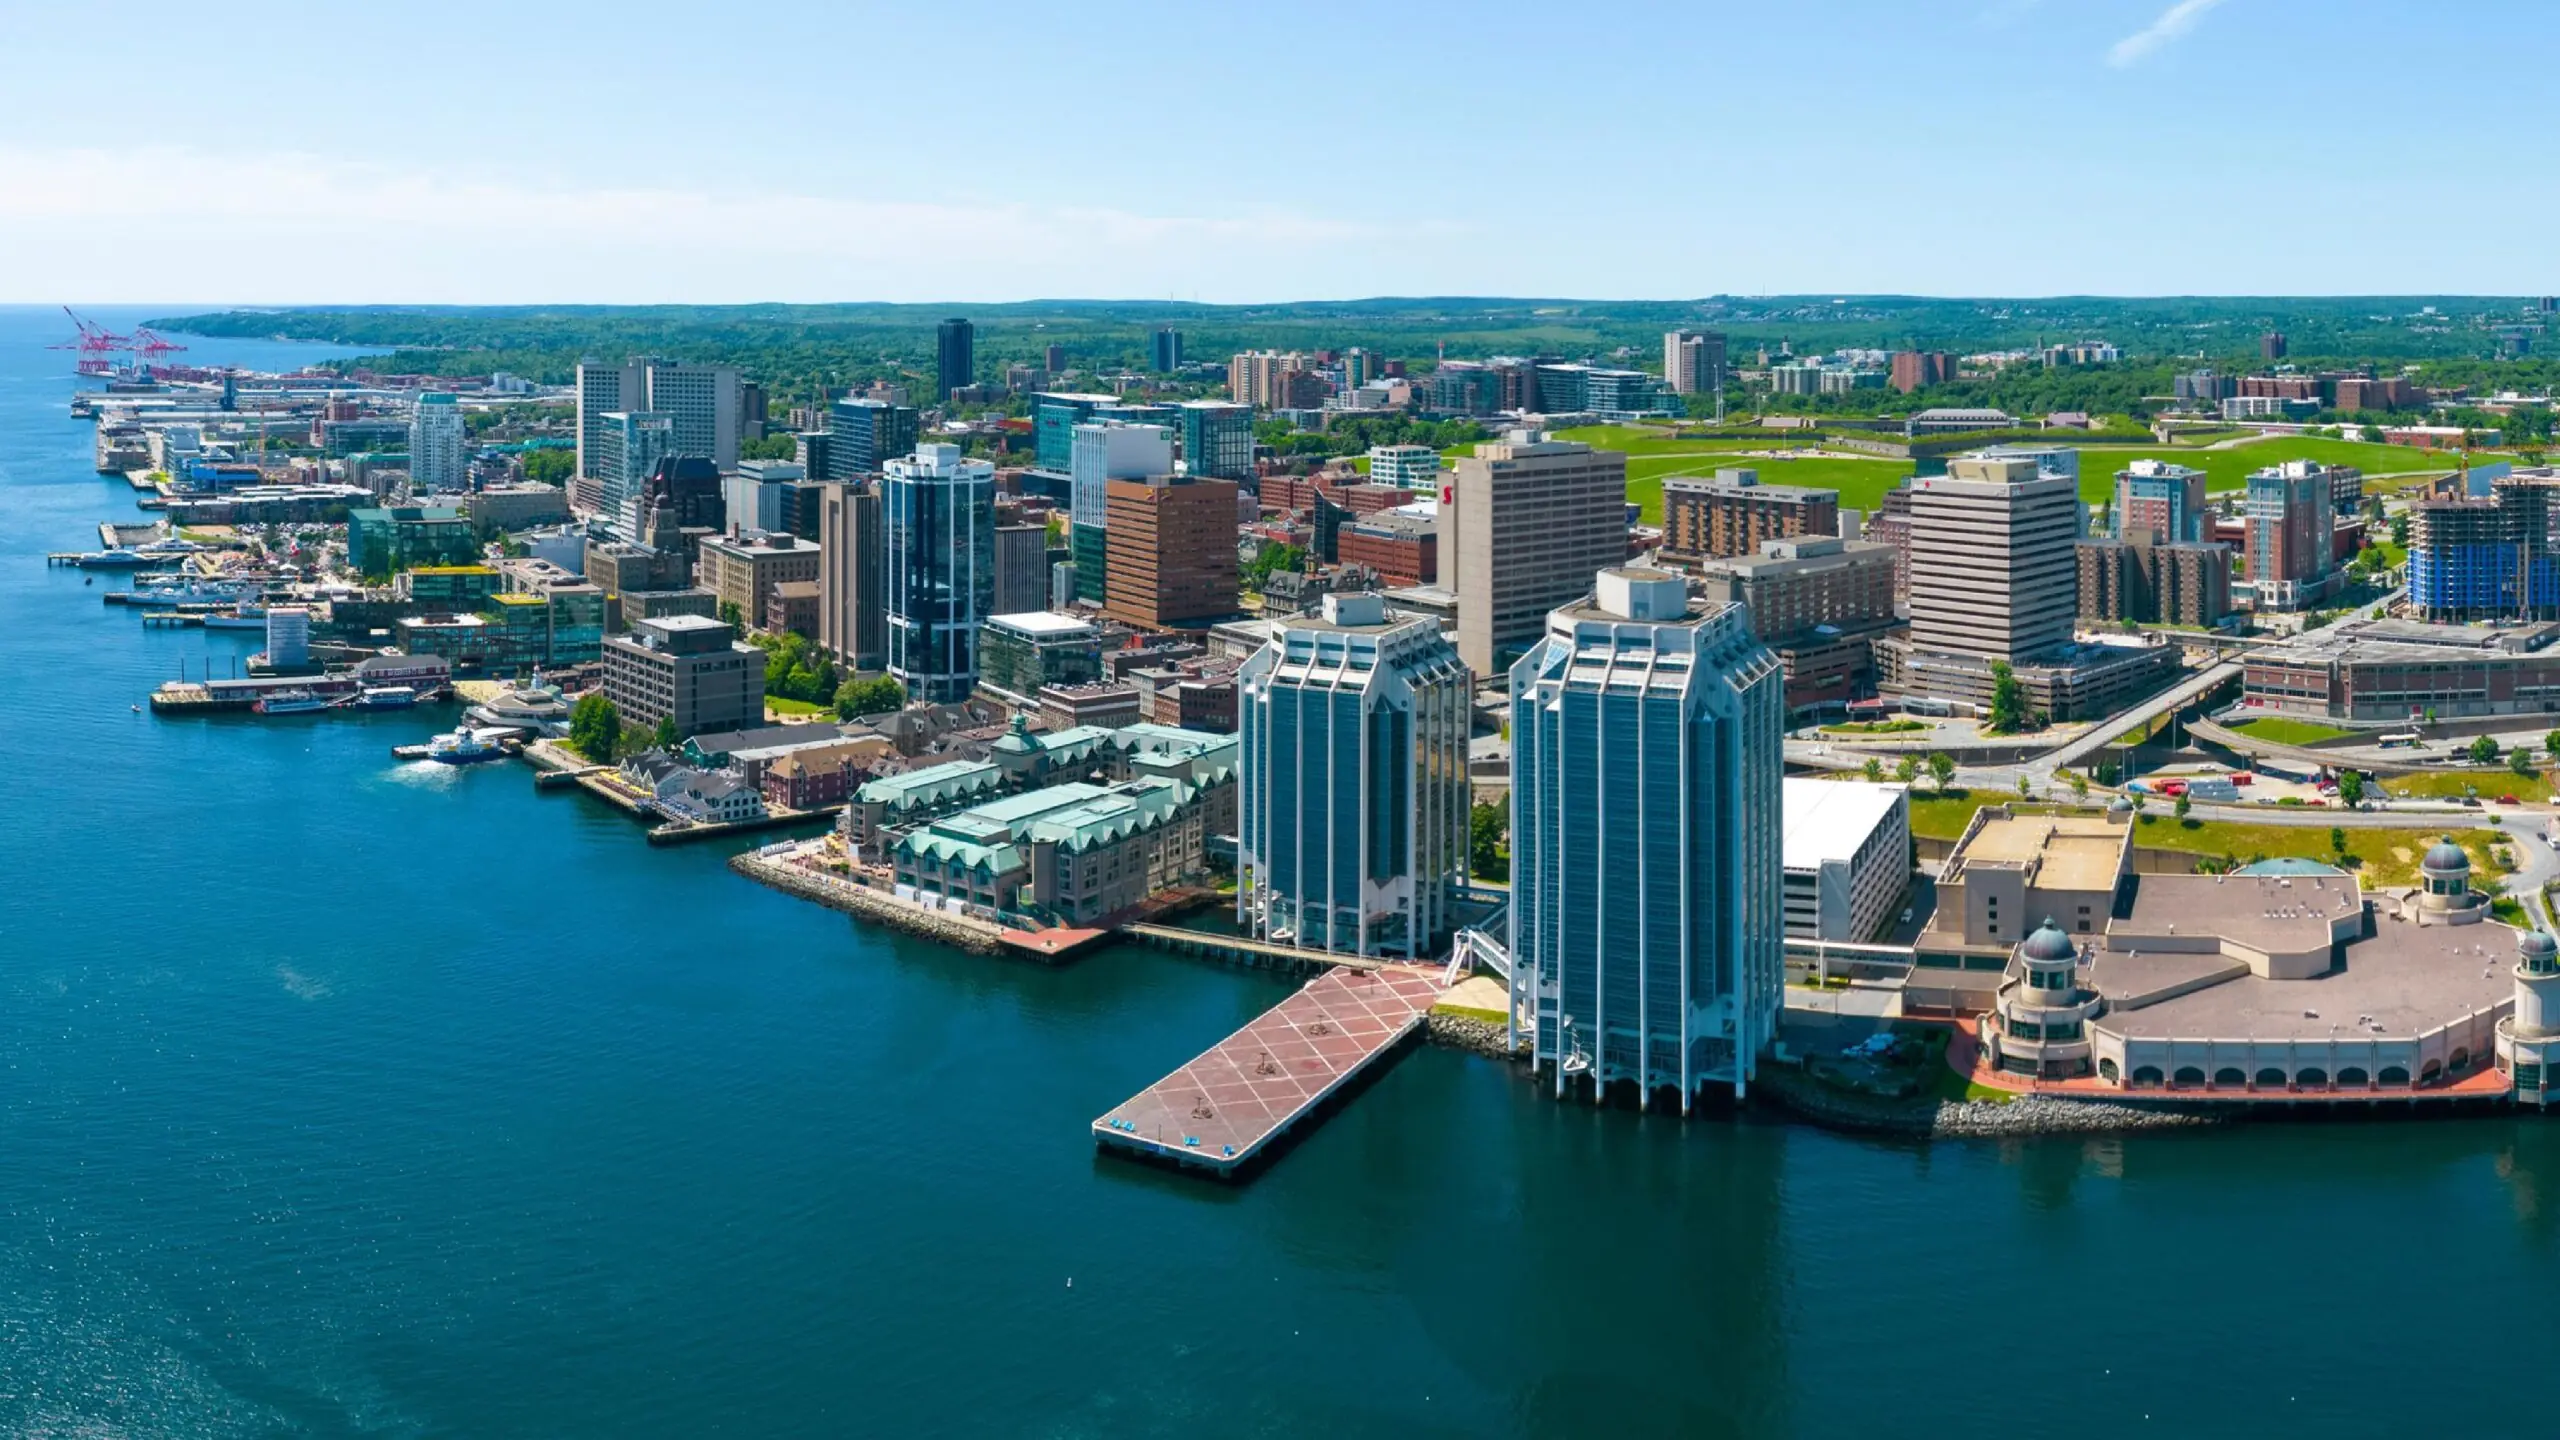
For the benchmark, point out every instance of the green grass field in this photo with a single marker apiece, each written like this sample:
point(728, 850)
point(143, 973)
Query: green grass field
point(1652, 457)
point(780, 706)
point(2390, 857)
point(2229, 469)
point(2488, 781)
point(1861, 483)
point(2285, 730)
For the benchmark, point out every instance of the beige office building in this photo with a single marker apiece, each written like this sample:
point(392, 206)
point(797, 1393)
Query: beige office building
point(742, 570)
point(1993, 569)
point(1525, 525)
point(688, 668)
point(853, 570)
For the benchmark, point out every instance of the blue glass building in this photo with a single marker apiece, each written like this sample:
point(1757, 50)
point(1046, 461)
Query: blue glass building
point(941, 520)
point(1352, 826)
point(1647, 915)
point(864, 435)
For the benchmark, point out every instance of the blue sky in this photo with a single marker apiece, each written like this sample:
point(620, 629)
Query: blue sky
point(947, 150)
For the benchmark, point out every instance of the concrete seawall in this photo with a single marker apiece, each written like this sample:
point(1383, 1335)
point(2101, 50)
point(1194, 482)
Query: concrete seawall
point(975, 936)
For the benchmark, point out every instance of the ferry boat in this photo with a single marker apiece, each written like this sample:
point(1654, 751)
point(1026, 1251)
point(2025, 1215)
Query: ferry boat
point(463, 747)
point(290, 702)
point(387, 697)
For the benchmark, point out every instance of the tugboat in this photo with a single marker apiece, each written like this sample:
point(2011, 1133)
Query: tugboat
point(462, 747)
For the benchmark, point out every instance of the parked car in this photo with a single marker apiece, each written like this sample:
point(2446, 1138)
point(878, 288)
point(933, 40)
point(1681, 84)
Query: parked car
point(2243, 777)
point(2509, 800)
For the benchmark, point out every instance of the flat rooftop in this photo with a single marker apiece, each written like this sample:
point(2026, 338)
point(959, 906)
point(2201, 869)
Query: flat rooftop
point(1829, 820)
point(2266, 913)
point(2071, 852)
point(2408, 978)
point(1043, 622)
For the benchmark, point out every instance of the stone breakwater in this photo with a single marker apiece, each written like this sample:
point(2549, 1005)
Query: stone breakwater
point(975, 936)
point(2029, 1115)
point(2043, 1115)
point(1460, 1032)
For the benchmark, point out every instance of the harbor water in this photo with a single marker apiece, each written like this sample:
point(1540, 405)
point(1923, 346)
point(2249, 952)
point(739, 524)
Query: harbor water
point(342, 1096)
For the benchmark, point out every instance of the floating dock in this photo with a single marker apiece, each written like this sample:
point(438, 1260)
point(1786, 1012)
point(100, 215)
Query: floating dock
point(1223, 1109)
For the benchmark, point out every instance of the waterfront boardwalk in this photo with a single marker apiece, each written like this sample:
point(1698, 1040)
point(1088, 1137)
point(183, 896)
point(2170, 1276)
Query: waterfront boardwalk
point(1223, 1109)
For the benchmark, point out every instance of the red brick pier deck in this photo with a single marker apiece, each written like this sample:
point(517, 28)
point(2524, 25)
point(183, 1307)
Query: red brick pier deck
point(1223, 1108)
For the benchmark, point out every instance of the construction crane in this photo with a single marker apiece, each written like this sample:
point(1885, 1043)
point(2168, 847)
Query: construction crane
point(150, 345)
point(96, 344)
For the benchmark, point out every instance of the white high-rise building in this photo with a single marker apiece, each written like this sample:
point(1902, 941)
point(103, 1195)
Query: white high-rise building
point(1647, 923)
point(1354, 807)
point(1415, 467)
point(1112, 450)
point(1099, 453)
point(941, 523)
point(288, 636)
point(1994, 571)
point(699, 401)
point(701, 404)
point(438, 446)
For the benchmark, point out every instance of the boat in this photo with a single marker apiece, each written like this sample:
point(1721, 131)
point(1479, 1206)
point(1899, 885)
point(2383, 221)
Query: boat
point(387, 697)
point(463, 747)
point(290, 702)
point(246, 617)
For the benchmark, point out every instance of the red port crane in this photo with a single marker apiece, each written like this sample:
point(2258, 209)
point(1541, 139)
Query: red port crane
point(150, 345)
point(95, 344)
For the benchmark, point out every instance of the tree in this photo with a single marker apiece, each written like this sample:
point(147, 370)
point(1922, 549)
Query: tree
point(2009, 713)
point(730, 614)
point(595, 727)
point(771, 447)
point(666, 737)
point(1873, 770)
point(878, 695)
point(2183, 806)
point(2520, 760)
point(2079, 785)
point(2023, 791)
point(2338, 839)
point(2484, 750)
point(1487, 827)
point(2551, 744)
point(550, 467)
point(1941, 770)
point(2350, 787)
point(1906, 769)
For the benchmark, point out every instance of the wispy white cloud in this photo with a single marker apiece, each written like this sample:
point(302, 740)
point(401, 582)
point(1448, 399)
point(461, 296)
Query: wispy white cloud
point(294, 224)
point(2171, 24)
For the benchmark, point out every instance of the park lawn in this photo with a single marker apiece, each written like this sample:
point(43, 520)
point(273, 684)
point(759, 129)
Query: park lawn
point(2490, 781)
point(2285, 730)
point(780, 706)
point(2230, 469)
point(1943, 817)
point(2390, 857)
point(1861, 483)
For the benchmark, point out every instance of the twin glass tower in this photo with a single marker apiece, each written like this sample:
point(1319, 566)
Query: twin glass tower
point(1645, 928)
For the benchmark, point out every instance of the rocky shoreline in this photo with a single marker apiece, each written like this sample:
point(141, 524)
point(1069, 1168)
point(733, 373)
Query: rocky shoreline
point(2029, 1115)
point(1476, 1037)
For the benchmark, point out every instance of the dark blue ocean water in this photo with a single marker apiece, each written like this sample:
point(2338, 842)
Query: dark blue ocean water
point(342, 1097)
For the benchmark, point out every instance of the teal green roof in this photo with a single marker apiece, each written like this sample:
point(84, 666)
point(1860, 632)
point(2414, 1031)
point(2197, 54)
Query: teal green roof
point(932, 785)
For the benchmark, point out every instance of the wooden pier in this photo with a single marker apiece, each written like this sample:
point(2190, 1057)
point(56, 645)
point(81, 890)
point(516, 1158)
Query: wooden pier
point(1269, 1080)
